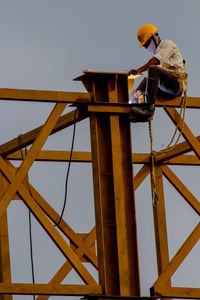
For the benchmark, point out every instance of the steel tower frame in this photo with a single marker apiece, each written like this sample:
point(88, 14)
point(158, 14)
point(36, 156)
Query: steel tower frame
point(112, 160)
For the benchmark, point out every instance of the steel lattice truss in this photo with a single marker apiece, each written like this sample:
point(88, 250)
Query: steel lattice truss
point(14, 185)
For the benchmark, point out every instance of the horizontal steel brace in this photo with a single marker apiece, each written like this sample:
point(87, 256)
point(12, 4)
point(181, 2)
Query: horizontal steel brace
point(78, 97)
point(48, 289)
point(117, 108)
point(99, 297)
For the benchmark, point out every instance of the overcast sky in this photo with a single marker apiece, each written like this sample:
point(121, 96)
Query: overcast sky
point(44, 45)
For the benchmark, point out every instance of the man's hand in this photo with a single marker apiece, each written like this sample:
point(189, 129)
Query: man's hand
point(133, 72)
point(134, 93)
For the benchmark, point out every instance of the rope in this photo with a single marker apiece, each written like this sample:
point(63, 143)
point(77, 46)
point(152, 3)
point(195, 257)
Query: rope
point(155, 198)
point(68, 169)
point(180, 76)
point(29, 218)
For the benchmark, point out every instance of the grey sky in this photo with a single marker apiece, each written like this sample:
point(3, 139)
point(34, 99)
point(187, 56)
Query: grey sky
point(44, 45)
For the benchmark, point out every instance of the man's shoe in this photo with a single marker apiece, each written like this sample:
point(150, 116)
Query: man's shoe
point(138, 118)
point(146, 111)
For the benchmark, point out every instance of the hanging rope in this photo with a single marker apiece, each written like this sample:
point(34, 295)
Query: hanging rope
point(155, 198)
point(68, 169)
point(181, 77)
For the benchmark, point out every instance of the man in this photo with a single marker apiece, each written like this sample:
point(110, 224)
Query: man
point(165, 70)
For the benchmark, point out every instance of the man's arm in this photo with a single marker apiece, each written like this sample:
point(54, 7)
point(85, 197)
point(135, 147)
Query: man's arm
point(151, 62)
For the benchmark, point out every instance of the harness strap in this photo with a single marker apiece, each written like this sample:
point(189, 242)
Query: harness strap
point(180, 76)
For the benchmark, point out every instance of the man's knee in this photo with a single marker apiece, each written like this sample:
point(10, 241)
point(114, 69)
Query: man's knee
point(154, 69)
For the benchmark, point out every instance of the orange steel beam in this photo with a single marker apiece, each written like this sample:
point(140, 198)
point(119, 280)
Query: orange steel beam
point(5, 268)
point(51, 156)
point(73, 97)
point(186, 132)
point(113, 188)
point(85, 156)
point(178, 258)
point(107, 107)
point(29, 137)
point(140, 176)
point(48, 226)
point(160, 224)
point(67, 267)
point(178, 292)
point(49, 289)
point(161, 286)
point(42, 96)
point(81, 244)
point(77, 156)
point(178, 150)
point(63, 226)
point(29, 159)
point(181, 188)
point(124, 196)
point(190, 160)
point(192, 102)
point(104, 203)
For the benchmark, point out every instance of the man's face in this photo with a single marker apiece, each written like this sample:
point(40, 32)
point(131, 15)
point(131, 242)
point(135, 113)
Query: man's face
point(151, 47)
point(148, 42)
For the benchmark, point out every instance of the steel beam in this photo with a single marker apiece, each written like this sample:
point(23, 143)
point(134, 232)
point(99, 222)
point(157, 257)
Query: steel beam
point(5, 269)
point(113, 187)
point(29, 137)
point(160, 224)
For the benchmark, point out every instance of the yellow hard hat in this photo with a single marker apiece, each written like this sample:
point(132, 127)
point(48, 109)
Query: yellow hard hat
point(145, 32)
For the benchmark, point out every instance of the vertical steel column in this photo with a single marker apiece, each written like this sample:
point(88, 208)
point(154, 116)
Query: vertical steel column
point(5, 270)
point(113, 187)
point(160, 226)
point(104, 192)
point(123, 191)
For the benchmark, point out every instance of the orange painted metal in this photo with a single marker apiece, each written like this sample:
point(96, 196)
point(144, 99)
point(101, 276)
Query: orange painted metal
point(106, 104)
point(5, 267)
point(113, 187)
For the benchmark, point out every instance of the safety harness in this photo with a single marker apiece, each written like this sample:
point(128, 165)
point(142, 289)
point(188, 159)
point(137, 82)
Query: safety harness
point(180, 76)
